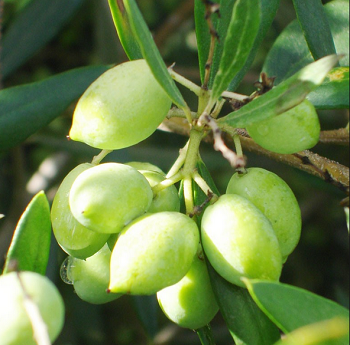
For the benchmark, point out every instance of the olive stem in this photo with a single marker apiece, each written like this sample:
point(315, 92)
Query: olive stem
point(97, 159)
point(234, 96)
point(202, 184)
point(193, 152)
point(185, 82)
point(179, 162)
point(188, 195)
point(176, 112)
point(167, 183)
point(41, 335)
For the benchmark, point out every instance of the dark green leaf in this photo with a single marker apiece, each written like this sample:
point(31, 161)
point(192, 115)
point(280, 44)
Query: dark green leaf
point(291, 308)
point(240, 38)
point(35, 26)
point(334, 92)
point(151, 53)
point(268, 12)
point(205, 335)
point(30, 246)
point(330, 332)
point(290, 52)
point(285, 96)
point(146, 308)
point(28, 108)
point(247, 324)
point(122, 24)
point(203, 35)
point(316, 28)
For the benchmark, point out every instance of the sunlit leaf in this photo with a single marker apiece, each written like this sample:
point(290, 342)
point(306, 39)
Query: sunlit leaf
point(241, 35)
point(283, 97)
point(30, 245)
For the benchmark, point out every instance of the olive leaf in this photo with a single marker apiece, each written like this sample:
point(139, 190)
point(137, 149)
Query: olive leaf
point(290, 51)
point(316, 28)
point(241, 35)
point(33, 106)
point(283, 97)
point(23, 39)
point(290, 307)
point(151, 53)
point(30, 244)
point(334, 92)
point(122, 24)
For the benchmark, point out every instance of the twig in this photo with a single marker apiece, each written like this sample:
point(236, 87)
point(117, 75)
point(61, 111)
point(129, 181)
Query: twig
point(335, 137)
point(211, 8)
point(322, 167)
point(219, 145)
point(185, 82)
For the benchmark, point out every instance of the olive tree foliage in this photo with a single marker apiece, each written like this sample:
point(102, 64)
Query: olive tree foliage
point(304, 74)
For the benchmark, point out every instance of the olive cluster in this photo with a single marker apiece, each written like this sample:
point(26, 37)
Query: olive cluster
point(124, 236)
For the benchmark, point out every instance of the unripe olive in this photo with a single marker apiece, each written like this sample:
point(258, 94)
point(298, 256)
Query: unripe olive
point(274, 198)
point(15, 324)
point(90, 277)
point(124, 106)
point(165, 200)
point(239, 241)
point(153, 252)
point(107, 197)
point(296, 130)
point(145, 166)
point(191, 302)
point(74, 238)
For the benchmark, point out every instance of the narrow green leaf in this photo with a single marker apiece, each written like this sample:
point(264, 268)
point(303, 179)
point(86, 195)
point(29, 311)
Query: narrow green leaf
point(334, 92)
point(285, 96)
point(122, 24)
point(146, 308)
point(203, 35)
point(26, 109)
point(316, 28)
point(290, 51)
point(330, 332)
point(247, 324)
point(205, 336)
point(30, 246)
point(268, 12)
point(290, 307)
point(241, 35)
point(151, 53)
point(35, 26)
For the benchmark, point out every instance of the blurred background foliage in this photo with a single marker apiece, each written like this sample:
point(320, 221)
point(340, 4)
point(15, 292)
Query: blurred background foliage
point(88, 37)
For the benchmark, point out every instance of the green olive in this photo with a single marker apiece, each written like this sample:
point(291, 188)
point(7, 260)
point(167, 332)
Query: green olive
point(74, 238)
point(296, 130)
point(191, 302)
point(239, 241)
point(145, 166)
point(165, 200)
point(153, 252)
point(107, 197)
point(124, 106)
point(90, 277)
point(15, 324)
point(274, 198)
